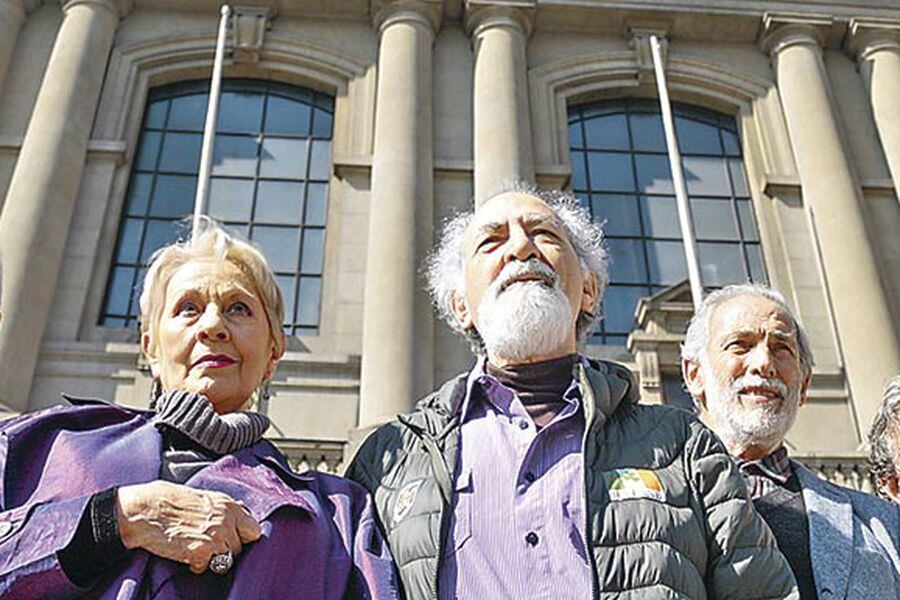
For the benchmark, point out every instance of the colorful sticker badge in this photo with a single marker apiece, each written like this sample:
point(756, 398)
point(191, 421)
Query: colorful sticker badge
point(633, 483)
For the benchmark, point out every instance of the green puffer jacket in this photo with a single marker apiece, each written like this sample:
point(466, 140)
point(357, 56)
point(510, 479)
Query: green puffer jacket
point(673, 522)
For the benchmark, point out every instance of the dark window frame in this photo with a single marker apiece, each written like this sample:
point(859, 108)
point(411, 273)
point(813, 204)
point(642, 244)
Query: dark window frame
point(316, 103)
point(729, 150)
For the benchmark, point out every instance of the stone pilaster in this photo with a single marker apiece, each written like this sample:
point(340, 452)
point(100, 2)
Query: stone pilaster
point(876, 45)
point(502, 123)
point(832, 193)
point(41, 197)
point(397, 344)
point(12, 15)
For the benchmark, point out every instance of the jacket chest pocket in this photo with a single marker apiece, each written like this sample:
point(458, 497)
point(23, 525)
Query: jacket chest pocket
point(461, 517)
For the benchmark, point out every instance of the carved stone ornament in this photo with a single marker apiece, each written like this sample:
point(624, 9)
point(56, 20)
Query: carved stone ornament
point(640, 43)
point(248, 30)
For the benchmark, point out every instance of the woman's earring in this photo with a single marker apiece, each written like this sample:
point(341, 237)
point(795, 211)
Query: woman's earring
point(265, 391)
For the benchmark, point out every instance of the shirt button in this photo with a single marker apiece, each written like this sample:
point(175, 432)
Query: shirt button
point(532, 538)
point(523, 424)
point(529, 477)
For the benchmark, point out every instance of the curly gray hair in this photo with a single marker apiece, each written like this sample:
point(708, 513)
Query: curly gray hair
point(885, 434)
point(697, 335)
point(444, 269)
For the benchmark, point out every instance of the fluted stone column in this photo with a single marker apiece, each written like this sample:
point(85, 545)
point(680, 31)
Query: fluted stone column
point(870, 346)
point(38, 209)
point(876, 44)
point(12, 15)
point(502, 123)
point(397, 350)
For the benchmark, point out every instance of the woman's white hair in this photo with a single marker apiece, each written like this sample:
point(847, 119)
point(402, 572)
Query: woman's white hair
point(444, 268)
point(697, 336)
point(212, 243)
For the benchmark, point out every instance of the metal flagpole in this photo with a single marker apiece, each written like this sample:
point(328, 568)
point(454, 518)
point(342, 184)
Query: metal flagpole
point(684, 209)
point(209, 130)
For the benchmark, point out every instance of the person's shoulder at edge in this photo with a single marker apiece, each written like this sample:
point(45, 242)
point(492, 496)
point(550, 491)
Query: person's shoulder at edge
point(865, 505)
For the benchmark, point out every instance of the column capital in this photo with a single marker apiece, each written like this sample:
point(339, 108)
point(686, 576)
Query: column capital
point(120, 7)
point(870, 35)
point(424, 12)
point(782, 30)
point(481, 15)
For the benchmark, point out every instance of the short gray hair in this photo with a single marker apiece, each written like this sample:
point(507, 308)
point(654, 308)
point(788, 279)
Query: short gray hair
point(882, 451)
point(697, 336)
point(444, 269)
point(212, 243)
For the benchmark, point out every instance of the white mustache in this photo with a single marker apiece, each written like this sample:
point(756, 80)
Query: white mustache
point(750, 380)
point(514, 271)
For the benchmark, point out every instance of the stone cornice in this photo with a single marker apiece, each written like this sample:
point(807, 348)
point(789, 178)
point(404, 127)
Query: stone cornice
point(482, 15)
point(782, 30)
point(120, 7)
point(866, 36)
point(424, 12)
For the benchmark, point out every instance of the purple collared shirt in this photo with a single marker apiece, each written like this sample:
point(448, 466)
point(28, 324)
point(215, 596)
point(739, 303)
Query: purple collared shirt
point(518, 522)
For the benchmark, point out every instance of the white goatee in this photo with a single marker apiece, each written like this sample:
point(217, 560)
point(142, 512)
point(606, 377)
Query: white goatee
point(519, 319)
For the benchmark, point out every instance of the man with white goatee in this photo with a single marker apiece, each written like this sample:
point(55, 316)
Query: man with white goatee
point(747, 363)
point(536, 474)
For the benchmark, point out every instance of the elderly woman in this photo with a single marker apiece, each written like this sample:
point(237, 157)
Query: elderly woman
point(186, 500)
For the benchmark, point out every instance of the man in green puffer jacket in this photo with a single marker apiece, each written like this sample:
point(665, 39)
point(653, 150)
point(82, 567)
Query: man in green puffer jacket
point(537, 474)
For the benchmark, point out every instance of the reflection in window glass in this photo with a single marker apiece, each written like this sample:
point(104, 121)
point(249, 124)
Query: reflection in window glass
point(181, 153)
point(279, 202)
point(271, 167)
point(653, 174)
point(660, 216)
point(720, 264)
point(610, 172)
point(235, 156)
point(281, 245)
point(607, 133)
point(230, 199)
point(240, 112)
point(618, 149)
point(139, 194)
point(283, 158)
point(667, 262)
point(627, 263)
point(618, 211)
point(705, 176)
point(714, 218)
point(188, 112)
point(173, 196)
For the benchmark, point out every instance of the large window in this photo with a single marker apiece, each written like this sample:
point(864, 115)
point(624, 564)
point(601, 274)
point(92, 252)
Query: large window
point(620, 172)
point(271, 165)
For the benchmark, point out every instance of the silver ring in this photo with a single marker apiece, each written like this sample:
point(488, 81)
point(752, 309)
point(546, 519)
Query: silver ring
point(221, 563)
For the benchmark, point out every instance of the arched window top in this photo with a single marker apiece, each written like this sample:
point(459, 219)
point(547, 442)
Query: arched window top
point(271, 166)
point(620, 172)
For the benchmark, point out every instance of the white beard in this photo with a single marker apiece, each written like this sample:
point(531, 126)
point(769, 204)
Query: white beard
point(740, 427)
point(528, 318)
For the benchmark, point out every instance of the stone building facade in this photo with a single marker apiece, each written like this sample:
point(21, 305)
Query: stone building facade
point(349, 130)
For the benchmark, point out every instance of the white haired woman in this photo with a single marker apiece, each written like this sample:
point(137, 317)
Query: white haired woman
point(185, 500)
